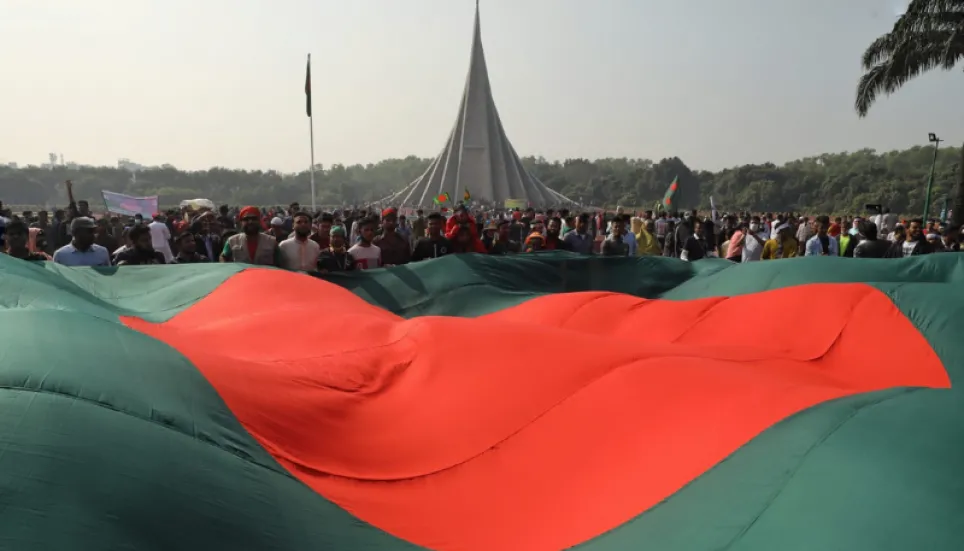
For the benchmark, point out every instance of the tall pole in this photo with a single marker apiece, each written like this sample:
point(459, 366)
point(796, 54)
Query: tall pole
point(930, 179)
point(311, 135)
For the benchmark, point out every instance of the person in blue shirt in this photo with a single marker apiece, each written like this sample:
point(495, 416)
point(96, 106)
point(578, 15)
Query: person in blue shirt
point(81, 251)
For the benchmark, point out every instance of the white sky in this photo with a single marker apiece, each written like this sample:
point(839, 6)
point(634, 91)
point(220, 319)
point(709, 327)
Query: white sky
point(201, 83)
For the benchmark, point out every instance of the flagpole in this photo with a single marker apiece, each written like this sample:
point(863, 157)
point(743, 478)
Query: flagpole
point(311, 137)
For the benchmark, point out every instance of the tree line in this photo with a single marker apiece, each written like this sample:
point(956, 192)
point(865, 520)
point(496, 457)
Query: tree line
point(829, 183)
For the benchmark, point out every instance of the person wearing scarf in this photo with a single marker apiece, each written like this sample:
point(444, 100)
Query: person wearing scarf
point(336, 257)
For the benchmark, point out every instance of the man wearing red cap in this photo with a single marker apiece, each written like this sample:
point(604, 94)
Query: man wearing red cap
point(395, 248)
point(251, 246)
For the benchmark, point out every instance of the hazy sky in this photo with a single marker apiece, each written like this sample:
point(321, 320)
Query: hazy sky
point(199, 83)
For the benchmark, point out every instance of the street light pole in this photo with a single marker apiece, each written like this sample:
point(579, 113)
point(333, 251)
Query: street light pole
point(930, 179)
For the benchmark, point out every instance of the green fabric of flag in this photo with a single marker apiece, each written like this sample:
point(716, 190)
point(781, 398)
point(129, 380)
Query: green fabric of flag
point(164, 408)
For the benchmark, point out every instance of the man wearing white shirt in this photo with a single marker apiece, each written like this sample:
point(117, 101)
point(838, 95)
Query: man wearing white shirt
point(161, 237)
point(298, 252)
point(754, 237)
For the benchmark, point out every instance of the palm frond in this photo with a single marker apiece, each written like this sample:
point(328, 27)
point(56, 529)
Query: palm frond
point(915, 55)
point(930, 34)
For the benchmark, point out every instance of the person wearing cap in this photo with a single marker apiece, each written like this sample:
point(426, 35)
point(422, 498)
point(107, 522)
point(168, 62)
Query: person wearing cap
point(950, 240)
point(251, 246)
point(277, 229)
point(187, 250)
point(395, 248)
point(336, 257)
point(82, 251)
point(783, 245)
point(488, 234)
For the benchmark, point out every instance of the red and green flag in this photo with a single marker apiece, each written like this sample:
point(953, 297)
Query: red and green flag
point(670, 193)
point(441, 198)
point(165, 408)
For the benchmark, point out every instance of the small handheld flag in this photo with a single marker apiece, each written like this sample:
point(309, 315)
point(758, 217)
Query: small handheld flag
point(466, 196)
point(670, 192)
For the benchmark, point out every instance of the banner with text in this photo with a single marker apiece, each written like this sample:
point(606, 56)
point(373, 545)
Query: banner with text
point(118, 203)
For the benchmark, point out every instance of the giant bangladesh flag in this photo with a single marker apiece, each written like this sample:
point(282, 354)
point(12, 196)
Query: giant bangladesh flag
point(473, 403)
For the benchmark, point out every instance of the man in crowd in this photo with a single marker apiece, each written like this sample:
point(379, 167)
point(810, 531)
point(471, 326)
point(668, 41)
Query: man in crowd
point(187, 250)
point(367, 256)
point(322, 233)
point(870, 246)
point(419, 225)
point(15, 238)
point(503, 243)
point(913, 243)
point(141, 252)
point(103, 236)
point(82, 251)
point(208, 242)
point(434, 244)
point(752, 241)
point(822, 244)
point(783, 245)
point(580, 240)
point(553, 240)
point(336, 257)
point(277, 229)
point(950, 239)
point(395, 249)
point(614, 245)
point(161, 237)
point(251, 246)
point(298, 252)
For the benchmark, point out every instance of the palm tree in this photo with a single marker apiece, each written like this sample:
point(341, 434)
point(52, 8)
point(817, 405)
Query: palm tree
point(930, 34)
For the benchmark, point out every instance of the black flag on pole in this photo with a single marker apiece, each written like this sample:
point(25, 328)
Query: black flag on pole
point(308, 87)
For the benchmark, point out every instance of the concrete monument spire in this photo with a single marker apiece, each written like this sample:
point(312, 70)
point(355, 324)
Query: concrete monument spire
point(478, 156)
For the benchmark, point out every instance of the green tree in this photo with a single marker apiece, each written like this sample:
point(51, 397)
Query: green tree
point(827, 183)
point(927, 36)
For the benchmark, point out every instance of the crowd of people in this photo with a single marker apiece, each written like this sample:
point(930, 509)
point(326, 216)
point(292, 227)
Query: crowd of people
point(363, 239)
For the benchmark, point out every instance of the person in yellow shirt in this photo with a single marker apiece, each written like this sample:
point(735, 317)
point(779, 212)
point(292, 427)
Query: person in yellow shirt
point(782, 246)
point(646, 242)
